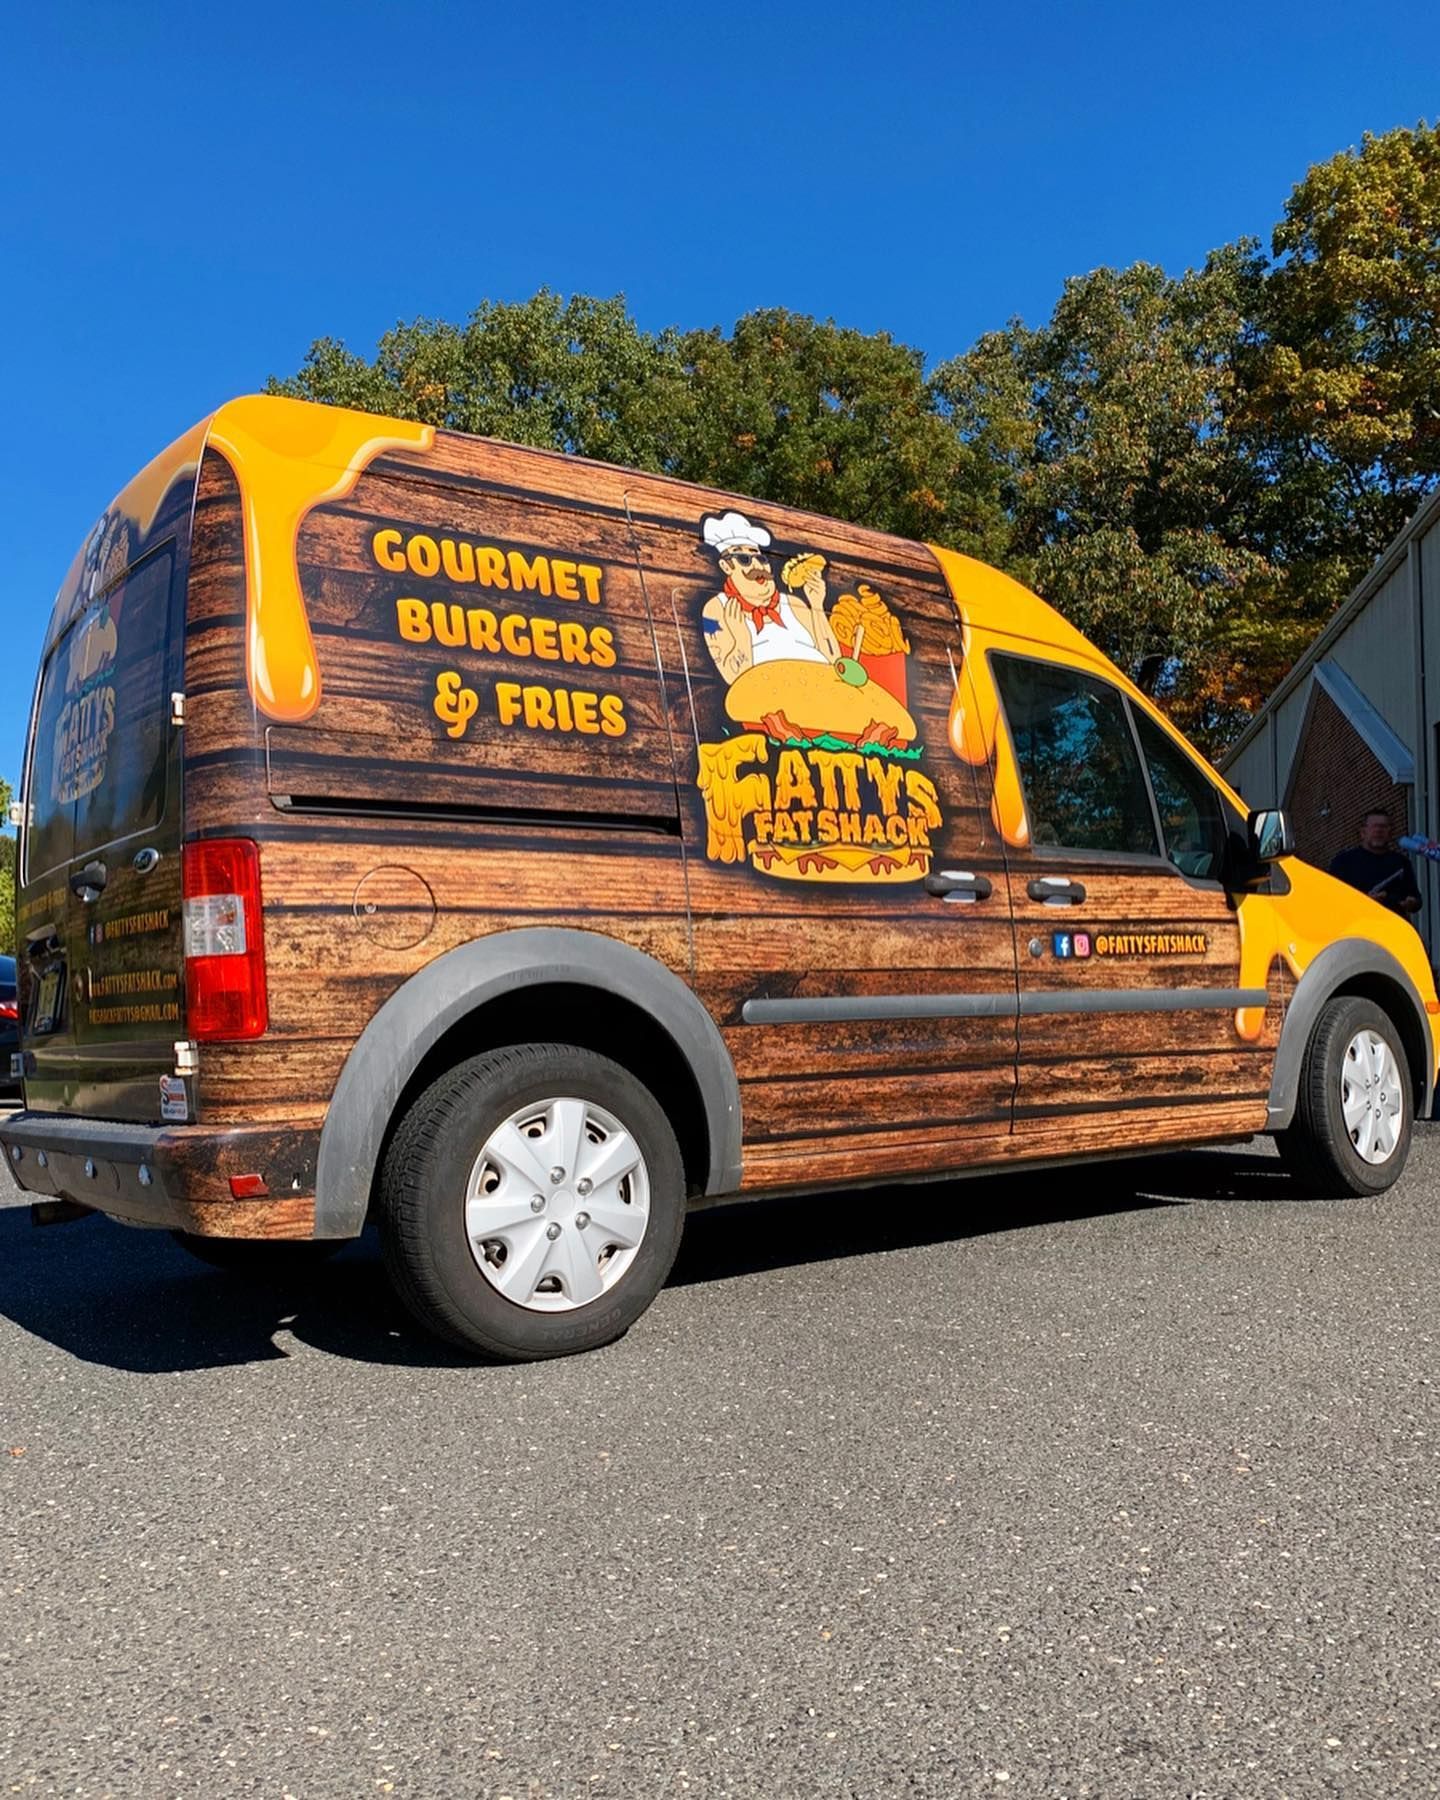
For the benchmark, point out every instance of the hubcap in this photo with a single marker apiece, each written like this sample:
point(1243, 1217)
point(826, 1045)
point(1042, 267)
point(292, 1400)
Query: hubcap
point(1372, 1096)
point(557, 1204)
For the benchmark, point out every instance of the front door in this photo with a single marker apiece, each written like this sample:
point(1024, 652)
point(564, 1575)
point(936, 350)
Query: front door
point(1134, 1026)
point(851, 916)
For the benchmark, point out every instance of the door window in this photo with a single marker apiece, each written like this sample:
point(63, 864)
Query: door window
point(1079, 769)
point(1191, 821)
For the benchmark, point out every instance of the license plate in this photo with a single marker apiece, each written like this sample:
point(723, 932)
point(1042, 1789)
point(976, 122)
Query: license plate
point(47, 1001)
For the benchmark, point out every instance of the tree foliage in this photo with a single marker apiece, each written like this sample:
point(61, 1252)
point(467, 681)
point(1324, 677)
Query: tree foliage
point(1345, 386)
point(576, 375)
point(803, 411)
point(1131, 504)
point(1193, 468)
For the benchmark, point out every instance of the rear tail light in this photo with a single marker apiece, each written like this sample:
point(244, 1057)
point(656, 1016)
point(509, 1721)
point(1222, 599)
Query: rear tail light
point(9, 1009)
point(224, 941)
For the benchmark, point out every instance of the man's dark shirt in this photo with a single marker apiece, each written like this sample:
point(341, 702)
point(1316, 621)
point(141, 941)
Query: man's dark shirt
point(1366, 869)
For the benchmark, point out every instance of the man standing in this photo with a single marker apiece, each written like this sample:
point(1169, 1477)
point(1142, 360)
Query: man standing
point(1377, 868)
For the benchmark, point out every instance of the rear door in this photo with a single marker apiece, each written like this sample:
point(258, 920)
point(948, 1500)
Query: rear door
point(100, 904)
point(847, 886)
point(1134, 1027)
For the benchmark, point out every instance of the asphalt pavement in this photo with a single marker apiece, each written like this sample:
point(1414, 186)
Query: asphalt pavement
point(1118, 1482)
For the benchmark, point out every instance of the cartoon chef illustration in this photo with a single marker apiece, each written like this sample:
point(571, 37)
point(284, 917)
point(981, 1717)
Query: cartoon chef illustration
point(785, 670)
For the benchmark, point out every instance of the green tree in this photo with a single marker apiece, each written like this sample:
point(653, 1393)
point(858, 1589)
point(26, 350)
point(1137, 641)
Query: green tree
point(575, 375)
point(1131, 503)
point(1342, 398)
point(786, 407)
point(837, 421)
point(1194, 469)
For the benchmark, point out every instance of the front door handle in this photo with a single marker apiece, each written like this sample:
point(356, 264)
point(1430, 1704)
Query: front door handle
point(87, 883)
point(958, 884)
point(1056, 890)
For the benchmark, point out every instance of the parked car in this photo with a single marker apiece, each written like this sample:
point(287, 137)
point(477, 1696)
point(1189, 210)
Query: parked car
point(517, 850)
point(9, 1029)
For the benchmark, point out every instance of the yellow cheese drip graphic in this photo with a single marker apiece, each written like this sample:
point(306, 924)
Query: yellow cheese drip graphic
point(288, 458)
point(729, 797)
point(974, 728)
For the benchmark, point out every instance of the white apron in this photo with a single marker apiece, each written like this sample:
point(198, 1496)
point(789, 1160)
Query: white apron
point(788, 641)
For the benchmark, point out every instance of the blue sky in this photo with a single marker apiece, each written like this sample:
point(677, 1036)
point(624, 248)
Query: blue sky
point(189, 195)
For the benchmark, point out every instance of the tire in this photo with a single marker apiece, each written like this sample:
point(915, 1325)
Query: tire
point(470, 1252)
point(1326, 1155)
point(279, 1259)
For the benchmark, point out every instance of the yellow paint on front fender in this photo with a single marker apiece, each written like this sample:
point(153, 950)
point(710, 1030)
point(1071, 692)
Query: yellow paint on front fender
point(1319, 911)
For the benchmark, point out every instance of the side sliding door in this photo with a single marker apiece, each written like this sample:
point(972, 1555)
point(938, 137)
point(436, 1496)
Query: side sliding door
point(847, 886)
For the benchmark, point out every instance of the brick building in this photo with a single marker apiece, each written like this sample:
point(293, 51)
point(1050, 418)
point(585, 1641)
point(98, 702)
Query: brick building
point(1356, 722)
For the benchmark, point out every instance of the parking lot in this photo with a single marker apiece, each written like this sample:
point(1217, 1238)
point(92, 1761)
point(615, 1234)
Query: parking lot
point(1115, 1482)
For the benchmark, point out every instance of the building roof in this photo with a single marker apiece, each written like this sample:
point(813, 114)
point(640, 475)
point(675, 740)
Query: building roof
point(1389, 752)
point(1384, 566)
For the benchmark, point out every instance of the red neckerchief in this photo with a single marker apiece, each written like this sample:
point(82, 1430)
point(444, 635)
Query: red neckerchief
point(757, 615)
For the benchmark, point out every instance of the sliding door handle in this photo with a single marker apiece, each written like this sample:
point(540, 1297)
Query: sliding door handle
point(1056, 890)
point(958, 884)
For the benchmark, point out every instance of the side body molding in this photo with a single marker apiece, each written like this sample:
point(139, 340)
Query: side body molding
point(418, 1014)
point(1336, 966)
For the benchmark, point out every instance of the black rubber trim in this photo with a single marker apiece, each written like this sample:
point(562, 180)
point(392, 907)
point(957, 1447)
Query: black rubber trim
point(82, 1137)
point(1337, 965)
point(459, 982)
point(840, 1009)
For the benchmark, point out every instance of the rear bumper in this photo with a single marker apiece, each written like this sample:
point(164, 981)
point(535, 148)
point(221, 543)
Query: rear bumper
point(173, 1177)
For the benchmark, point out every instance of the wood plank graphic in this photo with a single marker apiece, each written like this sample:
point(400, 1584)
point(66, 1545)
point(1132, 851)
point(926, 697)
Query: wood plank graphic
point(722, 732)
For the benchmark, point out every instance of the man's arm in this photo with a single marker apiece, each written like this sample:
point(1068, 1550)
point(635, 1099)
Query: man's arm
point(1404, 893)
point(727, 637)
point(810, 610)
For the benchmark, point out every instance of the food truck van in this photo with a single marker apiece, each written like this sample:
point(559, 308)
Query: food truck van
point(516, 851)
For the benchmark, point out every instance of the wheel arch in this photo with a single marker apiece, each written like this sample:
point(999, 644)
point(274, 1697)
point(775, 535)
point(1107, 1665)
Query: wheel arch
point(480, 995)
point(1352, 966)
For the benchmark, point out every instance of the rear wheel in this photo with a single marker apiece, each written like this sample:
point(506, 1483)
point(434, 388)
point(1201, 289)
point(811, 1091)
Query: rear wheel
point(1351, 1131)
point(531, 1202)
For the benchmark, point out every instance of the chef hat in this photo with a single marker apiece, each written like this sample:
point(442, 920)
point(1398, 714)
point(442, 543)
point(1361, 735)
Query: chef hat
point(733, 529)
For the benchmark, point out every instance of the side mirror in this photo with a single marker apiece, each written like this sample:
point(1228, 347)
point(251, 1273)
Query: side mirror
point(1271, 836)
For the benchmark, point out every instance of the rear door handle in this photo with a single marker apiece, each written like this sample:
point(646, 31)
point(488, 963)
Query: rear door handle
point(1056, 890)
point(958, 884)
point(87, 883)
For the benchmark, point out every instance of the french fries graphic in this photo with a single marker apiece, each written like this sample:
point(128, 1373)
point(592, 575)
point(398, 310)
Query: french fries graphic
point(865, 613)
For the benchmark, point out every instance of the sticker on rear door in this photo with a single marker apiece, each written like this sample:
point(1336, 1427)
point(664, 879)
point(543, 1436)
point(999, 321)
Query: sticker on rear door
point(819, 782)
point(174, 1101)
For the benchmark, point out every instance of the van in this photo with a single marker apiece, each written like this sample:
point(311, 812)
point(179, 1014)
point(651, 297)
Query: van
point(517, 851)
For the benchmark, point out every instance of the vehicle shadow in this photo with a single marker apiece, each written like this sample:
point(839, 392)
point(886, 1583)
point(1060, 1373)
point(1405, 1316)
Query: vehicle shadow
point(865, 1221)
point(137, 1301)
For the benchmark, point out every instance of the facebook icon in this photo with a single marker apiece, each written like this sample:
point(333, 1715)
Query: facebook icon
point(1061, 943)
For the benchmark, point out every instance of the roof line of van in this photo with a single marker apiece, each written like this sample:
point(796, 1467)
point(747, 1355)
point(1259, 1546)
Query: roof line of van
point(140, 499)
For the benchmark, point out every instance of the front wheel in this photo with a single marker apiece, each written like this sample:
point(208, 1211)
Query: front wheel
point(1351, 1131)
point(531, 1202)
